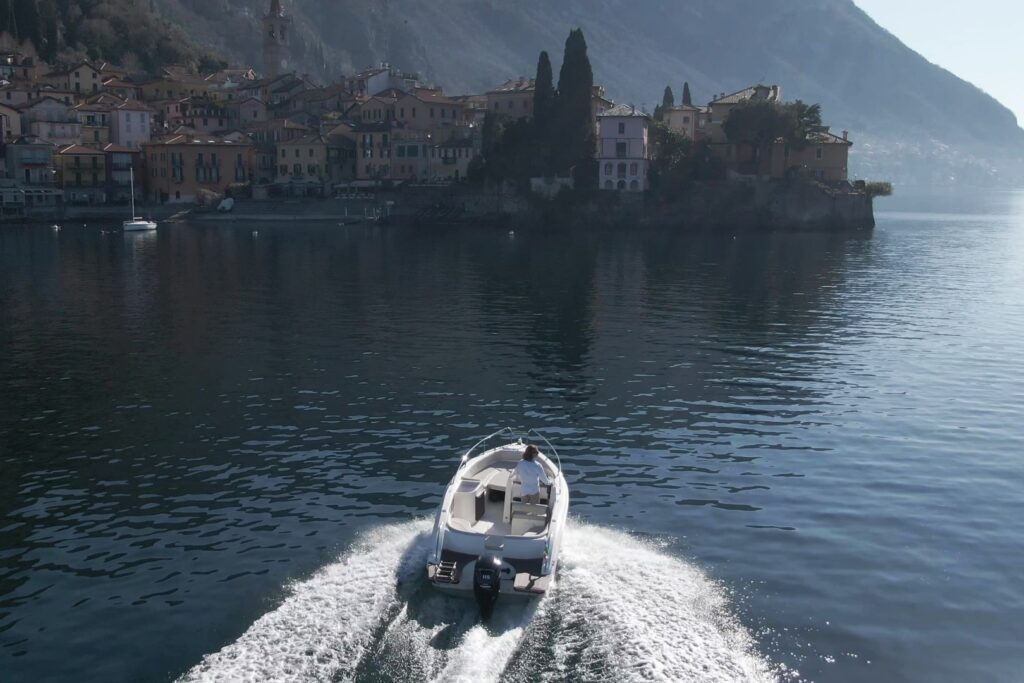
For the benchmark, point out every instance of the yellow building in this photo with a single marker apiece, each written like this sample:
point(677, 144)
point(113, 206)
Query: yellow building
point(82, 174)
point(825, 157)
point(302, 164)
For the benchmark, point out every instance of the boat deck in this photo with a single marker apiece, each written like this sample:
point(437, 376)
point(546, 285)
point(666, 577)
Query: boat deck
point(479, 505)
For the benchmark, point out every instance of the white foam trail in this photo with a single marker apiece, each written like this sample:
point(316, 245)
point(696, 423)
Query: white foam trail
point(621, 610)
point(483, 653)
point(644, 615)
point(326, 624)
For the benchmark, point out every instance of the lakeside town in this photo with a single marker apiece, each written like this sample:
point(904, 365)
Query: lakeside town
point(75, 134)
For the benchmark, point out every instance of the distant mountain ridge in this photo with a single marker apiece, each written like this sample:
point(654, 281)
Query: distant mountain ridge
point(904, 112)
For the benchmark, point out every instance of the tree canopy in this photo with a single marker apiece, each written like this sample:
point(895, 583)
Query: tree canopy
point(761, 122)
point(120, 31)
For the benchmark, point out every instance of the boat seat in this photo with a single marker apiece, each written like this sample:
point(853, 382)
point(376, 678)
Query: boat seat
point(468, 502)
point(538, 509)
point(460, 524)
point(496, 479)
point(523, 523)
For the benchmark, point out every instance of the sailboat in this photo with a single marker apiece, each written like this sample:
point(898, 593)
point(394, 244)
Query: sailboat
point(136, 222)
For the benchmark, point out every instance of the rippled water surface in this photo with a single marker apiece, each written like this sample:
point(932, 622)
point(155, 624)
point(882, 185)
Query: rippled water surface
point(794, 456)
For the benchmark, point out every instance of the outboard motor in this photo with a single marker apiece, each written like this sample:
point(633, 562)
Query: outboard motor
point(487, 583)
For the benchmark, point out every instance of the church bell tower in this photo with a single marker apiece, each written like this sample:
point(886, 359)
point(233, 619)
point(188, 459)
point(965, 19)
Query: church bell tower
point(277, 30)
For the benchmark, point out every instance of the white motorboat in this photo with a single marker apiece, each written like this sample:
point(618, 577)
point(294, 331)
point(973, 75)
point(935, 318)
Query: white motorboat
point(487, 542)
point(136, 223)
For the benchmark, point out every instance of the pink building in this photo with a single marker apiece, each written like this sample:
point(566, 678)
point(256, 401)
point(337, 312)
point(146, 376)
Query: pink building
point(131, 124)
point(622, 151)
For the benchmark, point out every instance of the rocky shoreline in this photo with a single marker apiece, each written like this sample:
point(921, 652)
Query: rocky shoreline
point(770, 205)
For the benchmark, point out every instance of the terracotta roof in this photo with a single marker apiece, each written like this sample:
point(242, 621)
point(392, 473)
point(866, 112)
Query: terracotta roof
point(79, 149)
point(390, 94)
point(115, 82)
point(32, 103)
point(373, 71)
point(621, 110)
point(107, 98)
point(133, 105)
point(313, 138)
point(521, 84)
point(824, 137)
point(745, 94)
point(31, 140)
point(196, 139)
point(370, 126)
point(285, 124)
point(431, 96)
point(223, 75)
point(91, 106)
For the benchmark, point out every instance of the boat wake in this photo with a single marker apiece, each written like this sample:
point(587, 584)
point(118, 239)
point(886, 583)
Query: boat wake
point(621, 610)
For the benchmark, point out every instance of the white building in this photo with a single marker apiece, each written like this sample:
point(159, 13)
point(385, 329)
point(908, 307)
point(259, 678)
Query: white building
point(131, 124)
point(622, 150)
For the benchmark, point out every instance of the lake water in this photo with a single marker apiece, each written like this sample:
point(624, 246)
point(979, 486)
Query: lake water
point(797, 456)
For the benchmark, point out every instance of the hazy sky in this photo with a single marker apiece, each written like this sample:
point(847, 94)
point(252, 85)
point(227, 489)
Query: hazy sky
point(981, 41)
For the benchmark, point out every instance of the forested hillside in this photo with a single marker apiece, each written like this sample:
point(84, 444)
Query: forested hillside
point(126, 32)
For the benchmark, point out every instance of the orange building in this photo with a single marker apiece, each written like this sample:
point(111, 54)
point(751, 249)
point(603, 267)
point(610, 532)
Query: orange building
point(188, 168)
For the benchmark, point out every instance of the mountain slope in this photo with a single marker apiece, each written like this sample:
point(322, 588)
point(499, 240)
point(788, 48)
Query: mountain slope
point(825, 51)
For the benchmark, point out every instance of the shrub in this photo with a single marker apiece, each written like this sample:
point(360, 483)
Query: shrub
point(878, 188)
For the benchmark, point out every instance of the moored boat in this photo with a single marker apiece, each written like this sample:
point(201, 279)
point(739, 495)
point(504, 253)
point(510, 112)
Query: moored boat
point(136, 223)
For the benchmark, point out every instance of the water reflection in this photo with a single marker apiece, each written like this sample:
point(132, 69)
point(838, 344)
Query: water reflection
point(192, 417)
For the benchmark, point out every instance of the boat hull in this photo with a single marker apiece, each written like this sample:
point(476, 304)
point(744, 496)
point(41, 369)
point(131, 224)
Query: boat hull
point(138, 226)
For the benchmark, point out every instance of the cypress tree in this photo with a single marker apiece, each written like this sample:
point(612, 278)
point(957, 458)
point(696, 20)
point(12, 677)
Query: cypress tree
point(543, 113)
point(575, 118)
point(49, 30)
point(26, 13)
point(686, 93)
point(543, 92)
point(668, 99)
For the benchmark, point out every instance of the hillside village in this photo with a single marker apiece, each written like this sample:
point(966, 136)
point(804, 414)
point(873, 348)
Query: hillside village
point(74, 134)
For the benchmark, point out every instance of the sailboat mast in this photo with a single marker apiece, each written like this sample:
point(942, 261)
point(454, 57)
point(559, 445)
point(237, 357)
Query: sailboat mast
point(131, 175)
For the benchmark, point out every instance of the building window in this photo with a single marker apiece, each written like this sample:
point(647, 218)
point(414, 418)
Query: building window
point(634, 185)
point(297, 169)
point(608, 185)
point(621, 185)
point(622, 128)
point(284, 170)
point(621, 170)
point(620, 150)
point(818, 153)
point(632, 168)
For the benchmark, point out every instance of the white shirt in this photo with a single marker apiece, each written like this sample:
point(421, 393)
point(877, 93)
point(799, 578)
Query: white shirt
point(530, 474)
